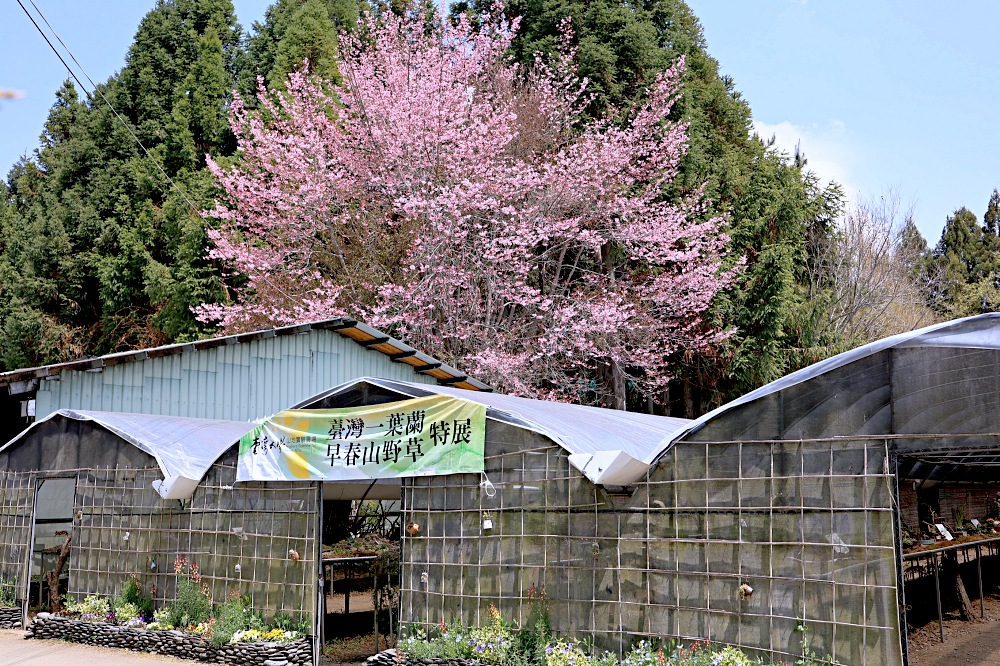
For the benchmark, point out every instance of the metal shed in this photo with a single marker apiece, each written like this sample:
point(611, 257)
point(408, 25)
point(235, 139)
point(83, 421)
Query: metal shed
point(237, 377)
point(95, 474)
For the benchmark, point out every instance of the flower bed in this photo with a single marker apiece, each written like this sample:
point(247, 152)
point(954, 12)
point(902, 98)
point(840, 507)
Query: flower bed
point(174, 643)
point(189, 626)
point(500, 643)
point(10, 618)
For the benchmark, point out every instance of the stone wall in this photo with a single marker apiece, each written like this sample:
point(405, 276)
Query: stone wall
point(389, 658)
point(173, 643)
point(10, 618)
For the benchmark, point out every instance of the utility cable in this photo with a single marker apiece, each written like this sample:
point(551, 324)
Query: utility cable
point(124, 123)
point(97, 90)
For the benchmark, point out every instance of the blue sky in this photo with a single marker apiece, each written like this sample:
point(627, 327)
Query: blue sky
point(882, 94)
point(98, 32)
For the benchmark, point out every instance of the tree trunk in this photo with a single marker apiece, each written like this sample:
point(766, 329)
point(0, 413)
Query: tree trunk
point(52, 577)
point(953, 577)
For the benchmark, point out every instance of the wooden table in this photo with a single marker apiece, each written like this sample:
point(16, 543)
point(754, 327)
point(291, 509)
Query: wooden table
point(347, 563)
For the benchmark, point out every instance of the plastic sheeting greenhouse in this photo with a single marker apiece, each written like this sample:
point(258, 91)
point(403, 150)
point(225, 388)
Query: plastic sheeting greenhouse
point(780, 510)
point(774, 512)
point(96, 475)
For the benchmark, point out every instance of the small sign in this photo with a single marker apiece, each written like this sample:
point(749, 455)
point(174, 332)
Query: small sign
point(974, 522)
point(944, 531)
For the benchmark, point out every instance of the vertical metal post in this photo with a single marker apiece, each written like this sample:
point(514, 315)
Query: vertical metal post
point(979, 570)
point(937, 591)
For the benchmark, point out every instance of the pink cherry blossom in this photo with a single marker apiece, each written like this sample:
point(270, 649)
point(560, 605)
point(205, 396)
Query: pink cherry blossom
point(462, 202)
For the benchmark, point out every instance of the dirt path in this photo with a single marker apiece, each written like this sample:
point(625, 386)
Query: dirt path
point(965, 643)
point(14, 650)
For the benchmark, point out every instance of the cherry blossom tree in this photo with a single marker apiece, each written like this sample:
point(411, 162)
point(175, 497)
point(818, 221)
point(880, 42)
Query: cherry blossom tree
point(464, 203)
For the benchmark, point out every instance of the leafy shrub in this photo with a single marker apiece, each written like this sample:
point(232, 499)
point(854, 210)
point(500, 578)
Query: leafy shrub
point(566, 654)
point(92, 609)
point(287, 622)
point(536, 635)
point(446, 644)
point(235, 615)
point(8, 592)
point(133, 593)
point(730, 656)
point(642, 653)
point(192, 604)
point(127, 613)
point(494, 643)
point(161, 620)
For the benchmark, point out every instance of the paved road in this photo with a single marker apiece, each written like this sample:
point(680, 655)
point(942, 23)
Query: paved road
point(15, 651)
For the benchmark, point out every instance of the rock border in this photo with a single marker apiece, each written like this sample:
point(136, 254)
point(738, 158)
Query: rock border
point(174, 643)
point(10, 618)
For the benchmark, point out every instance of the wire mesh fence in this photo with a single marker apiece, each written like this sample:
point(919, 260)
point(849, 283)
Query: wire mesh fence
point(17, 494)
point(737, 542)
point(258, 539)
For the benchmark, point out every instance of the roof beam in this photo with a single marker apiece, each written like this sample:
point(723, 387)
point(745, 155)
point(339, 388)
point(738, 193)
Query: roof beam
point(374, 341)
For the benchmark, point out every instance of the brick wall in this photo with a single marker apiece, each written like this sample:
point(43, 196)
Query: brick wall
point(978, 501)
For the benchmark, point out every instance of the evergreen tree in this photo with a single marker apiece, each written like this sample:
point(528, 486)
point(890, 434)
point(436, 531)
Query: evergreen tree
point(967, 259)
point(310, 39)
point(99, 253)
point(293, 31)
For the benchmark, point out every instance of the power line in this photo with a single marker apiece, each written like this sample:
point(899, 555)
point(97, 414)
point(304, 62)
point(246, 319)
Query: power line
point(97, 90)
point(124, 123)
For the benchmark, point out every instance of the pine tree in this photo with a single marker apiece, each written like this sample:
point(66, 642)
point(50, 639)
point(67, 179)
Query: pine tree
point(293, 31)
point(967, 259)
point(100, 256)
point(309, 40)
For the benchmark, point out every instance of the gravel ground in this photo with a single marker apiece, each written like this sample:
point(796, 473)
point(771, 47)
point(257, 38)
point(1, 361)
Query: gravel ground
point(965, 643)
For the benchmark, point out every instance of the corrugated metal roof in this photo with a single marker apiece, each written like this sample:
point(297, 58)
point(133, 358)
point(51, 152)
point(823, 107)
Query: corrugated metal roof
point(181, 446)
point(977, 332)
point(364, 335)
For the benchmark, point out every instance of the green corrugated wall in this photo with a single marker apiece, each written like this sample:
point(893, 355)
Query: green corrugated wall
point(237, 382)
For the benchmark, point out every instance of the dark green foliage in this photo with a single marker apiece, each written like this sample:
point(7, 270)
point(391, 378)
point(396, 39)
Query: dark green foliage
point(309, 40)
point(191, 605)
point(286, 622)
point(968, 260)
point(236, 614)
point(133, 593)
point(293, 31)
point(536, 633)
point(100, 251)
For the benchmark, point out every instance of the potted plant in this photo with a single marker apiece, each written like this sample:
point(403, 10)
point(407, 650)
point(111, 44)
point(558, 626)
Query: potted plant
point(959, 513)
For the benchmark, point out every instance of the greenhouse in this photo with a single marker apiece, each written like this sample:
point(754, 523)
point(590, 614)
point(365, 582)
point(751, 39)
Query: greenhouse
point(781, 522)
point(773, 523)
point(93, 502)
point(120, 484)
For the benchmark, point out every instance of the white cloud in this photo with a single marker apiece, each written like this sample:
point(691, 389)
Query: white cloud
point(827, 148)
